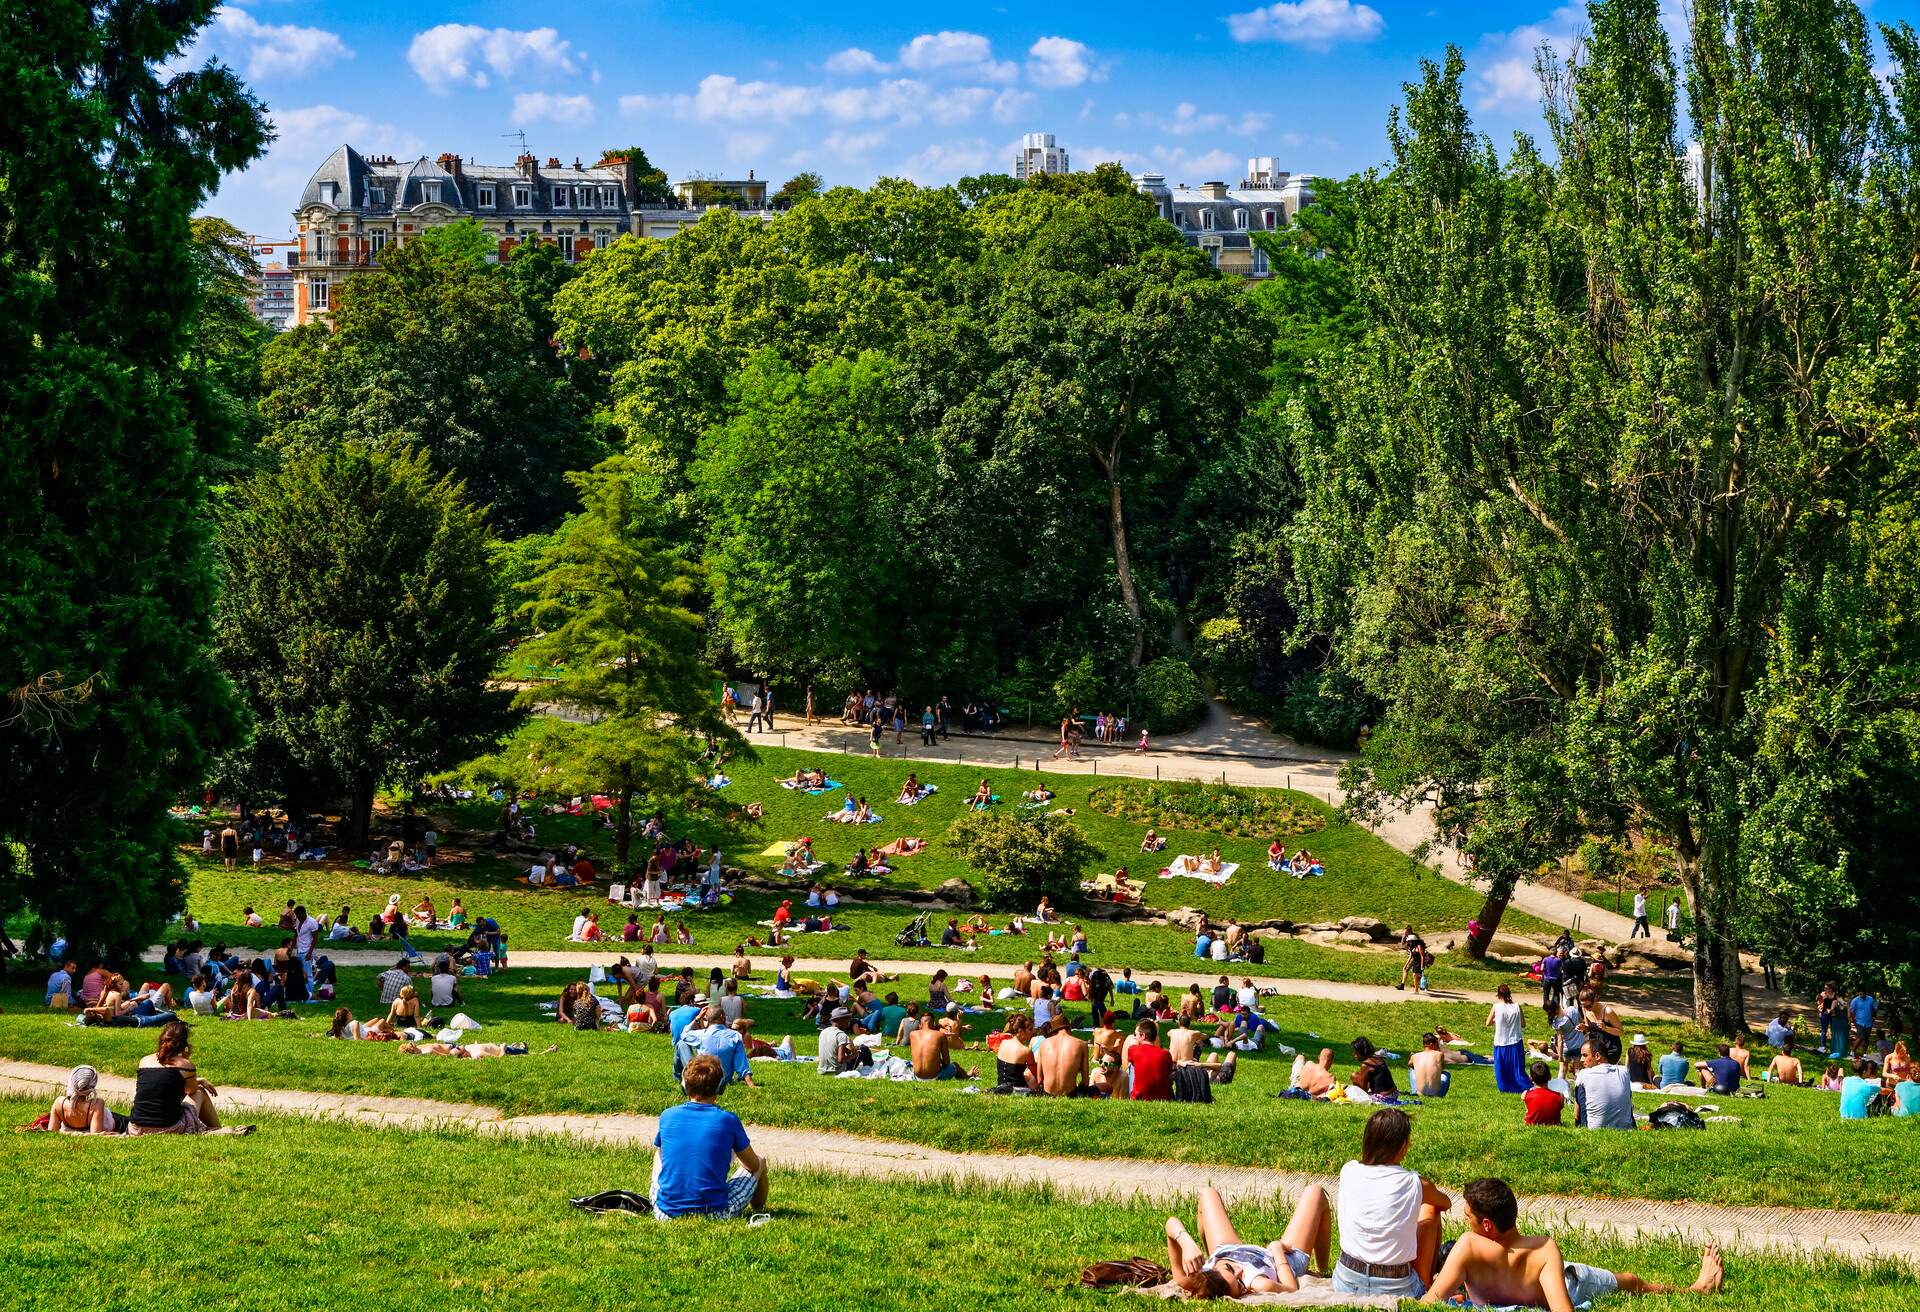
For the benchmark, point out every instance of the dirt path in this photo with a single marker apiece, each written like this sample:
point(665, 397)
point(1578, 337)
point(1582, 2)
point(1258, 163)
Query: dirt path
point(1174, 980)
point(1856, 1235)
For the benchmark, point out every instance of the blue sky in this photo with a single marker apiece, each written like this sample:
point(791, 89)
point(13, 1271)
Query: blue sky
point(858, 90)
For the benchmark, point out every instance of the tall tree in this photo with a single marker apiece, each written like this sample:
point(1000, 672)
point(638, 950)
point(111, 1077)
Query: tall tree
point(799, 187)
point(109, 703)
point(434, 351)
point(610, 606)
point(229, 341)
point(1612, 415)
point(358, 616)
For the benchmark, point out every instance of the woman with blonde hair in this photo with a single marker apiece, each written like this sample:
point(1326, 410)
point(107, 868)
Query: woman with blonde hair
point(405, 1011)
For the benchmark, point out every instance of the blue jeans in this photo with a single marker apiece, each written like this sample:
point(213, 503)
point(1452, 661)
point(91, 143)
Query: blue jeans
point(1348, 1281)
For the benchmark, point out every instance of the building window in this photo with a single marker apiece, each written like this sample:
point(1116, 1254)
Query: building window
point(376, 195)
point(485, 200)
point(1259, 260)
point(1240, 219)
point(430, 193)
point(522, 197)
point(1206, 220)
point(379, 242)
point(329, 193)
point(560, 198)
point(609, 199)
point(1267, 217)
point(600, 240)
point(317, 294)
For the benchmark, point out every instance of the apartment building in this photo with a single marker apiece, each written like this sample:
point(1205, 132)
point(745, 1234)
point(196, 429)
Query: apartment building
point(1221, 220)
point(1039, 153)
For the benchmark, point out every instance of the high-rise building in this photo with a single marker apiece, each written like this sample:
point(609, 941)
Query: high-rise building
point(1221, 220)
point(272, 299)
point(1039, 153)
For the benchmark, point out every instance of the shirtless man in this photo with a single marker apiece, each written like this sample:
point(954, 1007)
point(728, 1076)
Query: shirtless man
point(1065, 1069)
point(1499, 1266)
point(1430, 1080)
point(931, 1061)
point(1785, 1068)
point(1023, 980)
point(1183, 1042)
point(1316, 1077)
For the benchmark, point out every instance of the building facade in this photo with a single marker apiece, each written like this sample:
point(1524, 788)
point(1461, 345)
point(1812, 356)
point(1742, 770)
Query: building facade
point(1039, 153)
point(272, 301)
point(1221, 220)
point(355, 206)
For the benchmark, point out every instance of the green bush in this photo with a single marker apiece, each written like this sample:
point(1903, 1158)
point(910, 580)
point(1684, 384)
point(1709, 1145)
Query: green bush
point(1324, 708)
point(1018, 858)
point(1080, 686)
point(1167, 694)
point(1213, 808)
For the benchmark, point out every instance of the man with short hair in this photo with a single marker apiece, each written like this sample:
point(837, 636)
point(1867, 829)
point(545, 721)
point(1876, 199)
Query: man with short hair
point(697, 1143)
point(1064, 1063)
point(1500, 1267)
point(930, 1053)
point(716, 1038)
point(1862, 1009)
point(1779, 1030)
point(1603, 1093)
point(1639, 916)
point(1722, 1073)
point(392, 980)
point(1675, 1068)
point(1430, 1078)
point(60, 982)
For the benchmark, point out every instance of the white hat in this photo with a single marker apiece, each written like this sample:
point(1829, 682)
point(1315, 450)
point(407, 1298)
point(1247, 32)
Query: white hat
point(1639, 1040)
point(699, 997)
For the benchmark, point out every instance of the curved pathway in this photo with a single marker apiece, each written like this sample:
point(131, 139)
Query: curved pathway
point(1860, 1236)
point(1174, 980)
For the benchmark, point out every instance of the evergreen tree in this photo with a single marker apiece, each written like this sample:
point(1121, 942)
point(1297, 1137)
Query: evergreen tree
point(110, 704)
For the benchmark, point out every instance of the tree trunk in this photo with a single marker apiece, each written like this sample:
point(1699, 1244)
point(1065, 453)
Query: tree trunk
point(1499, 894)
point(361, 820)
point(1719, 1004)
point(623, 829)
point(1123, 565)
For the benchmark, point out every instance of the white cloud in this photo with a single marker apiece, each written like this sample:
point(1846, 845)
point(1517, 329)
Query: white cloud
point(723, 99)
point(854, 61)
point(748, 145)
point(1188, 119)
point(460, 54)
point(842, 147)
point(943, 161)
point(1504, 76)
point(957, 54)
point(1056, 61)
point(1307, 22)
point(1011, 104)
point(265, 50)
point(546, 107)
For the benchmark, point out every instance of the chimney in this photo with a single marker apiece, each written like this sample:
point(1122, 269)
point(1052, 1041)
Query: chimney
point(526, 164)
point(576, 161)
point(749, 175)
point(451, 163)
point(552, 162)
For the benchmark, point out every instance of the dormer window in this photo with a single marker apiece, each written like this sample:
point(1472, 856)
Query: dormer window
point(522, 197)
point(430, 193)
point(1268, 217)
point(560, 198)
point(609, 198)
point(1206, 219)
point(1240, 219)
point(485, 194)
point(329, 193)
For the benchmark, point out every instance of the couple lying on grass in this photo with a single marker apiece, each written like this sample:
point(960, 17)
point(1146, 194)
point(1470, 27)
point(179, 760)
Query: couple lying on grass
point(1390, 1242)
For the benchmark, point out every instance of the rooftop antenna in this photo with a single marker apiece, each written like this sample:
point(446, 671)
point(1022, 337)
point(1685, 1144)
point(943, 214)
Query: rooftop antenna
point(521, 133)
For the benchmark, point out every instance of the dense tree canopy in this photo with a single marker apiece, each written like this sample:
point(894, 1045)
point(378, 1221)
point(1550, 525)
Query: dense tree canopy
point(1605, 504)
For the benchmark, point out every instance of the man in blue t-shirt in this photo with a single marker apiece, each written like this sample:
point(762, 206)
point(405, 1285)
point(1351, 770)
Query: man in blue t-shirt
point(1675, 1068)
point(697, 1143)
point(1722, 1073)
point(1861, 1008)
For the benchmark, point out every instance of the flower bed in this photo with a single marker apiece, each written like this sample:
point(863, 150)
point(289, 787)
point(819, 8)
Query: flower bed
point(1213, 808)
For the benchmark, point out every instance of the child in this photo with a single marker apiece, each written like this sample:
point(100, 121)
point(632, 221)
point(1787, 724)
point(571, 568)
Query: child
point(1543, 1104)
point(1143, 741)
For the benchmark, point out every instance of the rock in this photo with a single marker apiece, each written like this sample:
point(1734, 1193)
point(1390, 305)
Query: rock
point(1188, 918)
point(955, 892)
point(1376, 931)
point(1352, 938)
point(1276, 926)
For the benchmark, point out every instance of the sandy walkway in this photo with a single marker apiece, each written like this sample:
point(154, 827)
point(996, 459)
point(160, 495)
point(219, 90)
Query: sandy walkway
point(1856, 1235)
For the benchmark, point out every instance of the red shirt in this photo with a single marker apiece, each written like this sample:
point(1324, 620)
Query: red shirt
point(1152, 1072)
point(1543, 1106)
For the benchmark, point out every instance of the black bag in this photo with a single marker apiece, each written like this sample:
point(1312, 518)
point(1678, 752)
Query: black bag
point(1675, 1116)
point(615, 1200)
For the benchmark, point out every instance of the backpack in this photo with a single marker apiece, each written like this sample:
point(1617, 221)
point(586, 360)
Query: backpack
point(1100, 982)
point(1675, 1116)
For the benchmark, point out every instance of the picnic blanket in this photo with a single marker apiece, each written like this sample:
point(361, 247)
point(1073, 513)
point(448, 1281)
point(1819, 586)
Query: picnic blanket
point(578, 883)
point(926, 791)
point(1177, 869)
point(827, 787)
point(776, 849)
point(1314, 1291)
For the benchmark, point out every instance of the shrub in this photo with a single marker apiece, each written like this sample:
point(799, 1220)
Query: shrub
point(1168, 693)
point(1018, 858)
point(1324, 708)
point(1079, 686)
point(1214, 808)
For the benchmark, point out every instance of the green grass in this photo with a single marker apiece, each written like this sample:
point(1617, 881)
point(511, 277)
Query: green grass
point(353, 1218)
point(1368, 878)
point(1788, 1149)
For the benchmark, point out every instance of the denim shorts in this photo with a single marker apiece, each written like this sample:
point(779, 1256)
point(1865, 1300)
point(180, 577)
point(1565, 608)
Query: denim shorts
point(1348, 1281)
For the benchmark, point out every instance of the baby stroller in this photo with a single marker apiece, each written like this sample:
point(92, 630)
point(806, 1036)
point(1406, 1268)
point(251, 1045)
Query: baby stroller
point(915, 934)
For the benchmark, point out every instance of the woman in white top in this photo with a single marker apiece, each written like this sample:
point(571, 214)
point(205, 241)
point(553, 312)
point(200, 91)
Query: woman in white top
point(1389, 1216)
point(1509, 1053)
point(1229, 1268)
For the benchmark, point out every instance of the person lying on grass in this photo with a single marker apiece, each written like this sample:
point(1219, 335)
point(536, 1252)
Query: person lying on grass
point(346, 1027)
point(1227, 1267)
point(697, 1144)
point(472, 1051)
point(1498, 1266)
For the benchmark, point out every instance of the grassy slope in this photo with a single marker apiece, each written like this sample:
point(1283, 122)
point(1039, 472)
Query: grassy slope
point(1369, 878)
point(416, 1218)
point(1784, 1151)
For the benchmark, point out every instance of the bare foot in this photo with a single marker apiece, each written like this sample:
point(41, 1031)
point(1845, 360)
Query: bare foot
point(1712, 1272)
point(551, 1047)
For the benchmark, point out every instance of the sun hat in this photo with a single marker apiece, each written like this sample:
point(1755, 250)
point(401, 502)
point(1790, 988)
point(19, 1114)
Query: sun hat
point(841, 1013)
point(1639, 1040)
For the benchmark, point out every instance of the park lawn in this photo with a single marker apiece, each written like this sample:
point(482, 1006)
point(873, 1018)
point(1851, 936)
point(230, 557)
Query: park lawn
point(350, 1217)
point(1788, 1149)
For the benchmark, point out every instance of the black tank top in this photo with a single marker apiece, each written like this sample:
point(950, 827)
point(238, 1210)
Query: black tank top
point(1013, 1075)
point(158, 1092)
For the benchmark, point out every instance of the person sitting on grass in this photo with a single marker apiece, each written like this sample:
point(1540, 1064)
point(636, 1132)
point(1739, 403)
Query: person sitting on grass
point(169, 1097)
point(1785, 1067)
point(1675, 1068)
point(1427, 1067)
point(982, 797)
point(81, 1110)
point(931, 1053)
point(1860, 1094)
point(1038, 795)
point(1497, 1266)
point(404, 1012)
point(1373, 1077)
point(1222, 1266)
point(910, 790)
point(1721, 1073)
point(243, 1000)
point(1602, 1093)
point(697, 1144)
point(1544, 1105)
point(1389, 1216)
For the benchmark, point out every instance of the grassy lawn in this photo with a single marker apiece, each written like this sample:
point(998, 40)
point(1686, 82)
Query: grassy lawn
point(449, 1220)
point(1367, 877)
point(1786, 1149)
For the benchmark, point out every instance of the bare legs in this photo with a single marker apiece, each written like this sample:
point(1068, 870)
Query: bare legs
point(1311, 1229)
point(1427, 1232)
point(1712, 1272)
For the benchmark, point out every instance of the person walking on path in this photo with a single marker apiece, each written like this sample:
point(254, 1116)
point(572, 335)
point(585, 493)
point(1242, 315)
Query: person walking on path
point(754, 720)
point(1639, 915)
point(878, 728)
point(812, 719)
point(1673, 917)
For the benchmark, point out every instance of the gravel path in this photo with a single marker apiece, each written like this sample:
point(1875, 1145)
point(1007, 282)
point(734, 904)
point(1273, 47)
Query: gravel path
point(1855, 1235)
